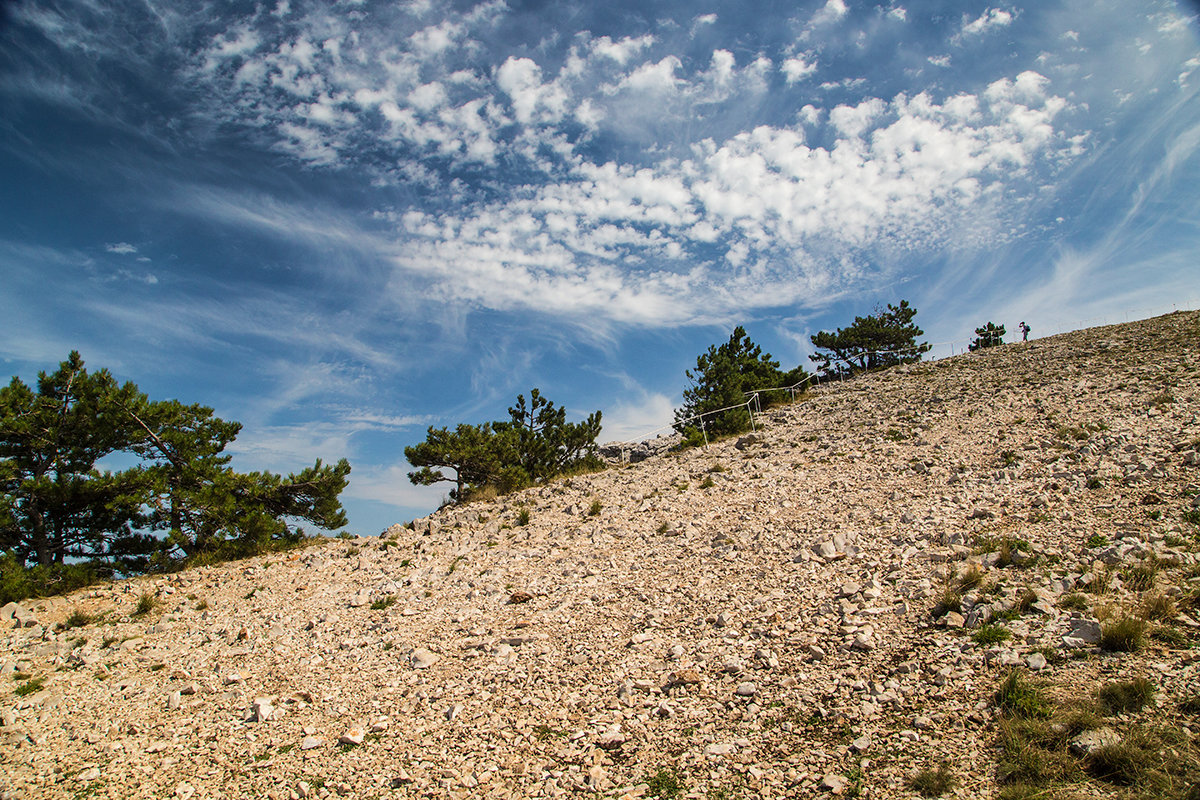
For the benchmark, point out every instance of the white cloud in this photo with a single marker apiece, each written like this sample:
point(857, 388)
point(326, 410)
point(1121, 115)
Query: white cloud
point(797, 69)
point(832, 11)
point(898, 13)
point(650, 413)
point(619, 243)
point(623, 50)
point(122, 248)
point(989, 19)
point(436, 39)
point(532, 100)
point(654, 77)
point(390, 485)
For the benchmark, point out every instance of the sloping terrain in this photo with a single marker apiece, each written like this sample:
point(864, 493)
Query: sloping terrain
point(820, 606)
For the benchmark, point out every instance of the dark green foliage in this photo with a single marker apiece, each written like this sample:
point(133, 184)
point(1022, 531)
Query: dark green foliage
point(77, 524)
point(1125, 635)
point(1017, 698)
point(535, 444)
point(991, 634)
point(722, 376)
point(18, 581)
point(989, 335)
point(57, 506)
point(883, 339)
point(32, 686)
point(1121, 696)
point(665, 785)
point(546, 444)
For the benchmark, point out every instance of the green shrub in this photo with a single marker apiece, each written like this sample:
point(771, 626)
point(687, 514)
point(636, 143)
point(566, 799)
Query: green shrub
point(1097, 540)
point(1121, 696)
point(31, 686)
point(595, 508)
point(1125, 635)
point(77, 619)
point(1032, 755)
point(1018, 698)
point(1073, 602)
point(523, 516)
point(991, 634)
point(933, 782)
point(1141, 577)
point(146, 603)
point(665, 785)
point(384, 602)
point(18, 582)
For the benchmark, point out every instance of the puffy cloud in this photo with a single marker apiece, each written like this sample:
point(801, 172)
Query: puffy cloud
point(121, 248)
point(623, 50)
point(654, 77)
point(797, 69)
point(749, 222)
point(532, 101)
point(989, 19)
point(832, 11)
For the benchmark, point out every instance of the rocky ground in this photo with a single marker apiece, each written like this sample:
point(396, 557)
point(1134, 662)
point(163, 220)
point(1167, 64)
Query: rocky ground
point(819, 607)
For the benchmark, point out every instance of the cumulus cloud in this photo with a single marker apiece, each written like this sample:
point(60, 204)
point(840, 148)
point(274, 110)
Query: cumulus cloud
point(797, 69)
point(121, 248)
point(832, 11)
point(759, 215)
point(989, 19)
point(654, 77)
point(622, 50)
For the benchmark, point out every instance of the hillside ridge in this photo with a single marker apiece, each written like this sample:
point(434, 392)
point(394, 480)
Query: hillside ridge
point(755, 619)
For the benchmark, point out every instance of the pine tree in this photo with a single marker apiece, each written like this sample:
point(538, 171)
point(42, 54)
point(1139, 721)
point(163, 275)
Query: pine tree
point(722, 376)
point(988, 335)
point(883, 339)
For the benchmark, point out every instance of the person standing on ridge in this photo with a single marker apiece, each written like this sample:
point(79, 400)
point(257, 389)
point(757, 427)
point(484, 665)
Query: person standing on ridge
point(1025, 329)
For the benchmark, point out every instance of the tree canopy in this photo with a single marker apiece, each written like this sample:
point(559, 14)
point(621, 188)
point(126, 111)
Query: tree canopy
point(722, 377)
point(181, 499)
point(988, 335)
point(535, 444)
point(883, 339)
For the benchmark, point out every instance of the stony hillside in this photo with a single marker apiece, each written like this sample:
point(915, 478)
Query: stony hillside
point(826, 606)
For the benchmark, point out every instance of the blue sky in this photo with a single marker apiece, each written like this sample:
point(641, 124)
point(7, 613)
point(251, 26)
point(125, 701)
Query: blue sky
point(341, 222)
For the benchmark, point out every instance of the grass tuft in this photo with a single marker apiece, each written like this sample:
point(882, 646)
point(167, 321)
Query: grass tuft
point(1158, 606)
point(664, 785)
point(1125, 635)
point(146, 603)
point(1122, 696)
point(1018, 698)
point(933, 782)
point(991, 634)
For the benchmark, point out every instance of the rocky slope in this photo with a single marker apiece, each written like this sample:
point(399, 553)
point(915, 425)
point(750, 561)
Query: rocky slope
point(770, 617)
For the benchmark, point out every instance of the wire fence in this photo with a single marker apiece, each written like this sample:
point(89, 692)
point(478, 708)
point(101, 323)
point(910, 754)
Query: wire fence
point(947, 350)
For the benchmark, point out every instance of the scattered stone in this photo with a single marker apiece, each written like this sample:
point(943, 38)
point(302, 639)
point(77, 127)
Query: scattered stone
point(1087, 742)
point(422, 658)
point(352, 736)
